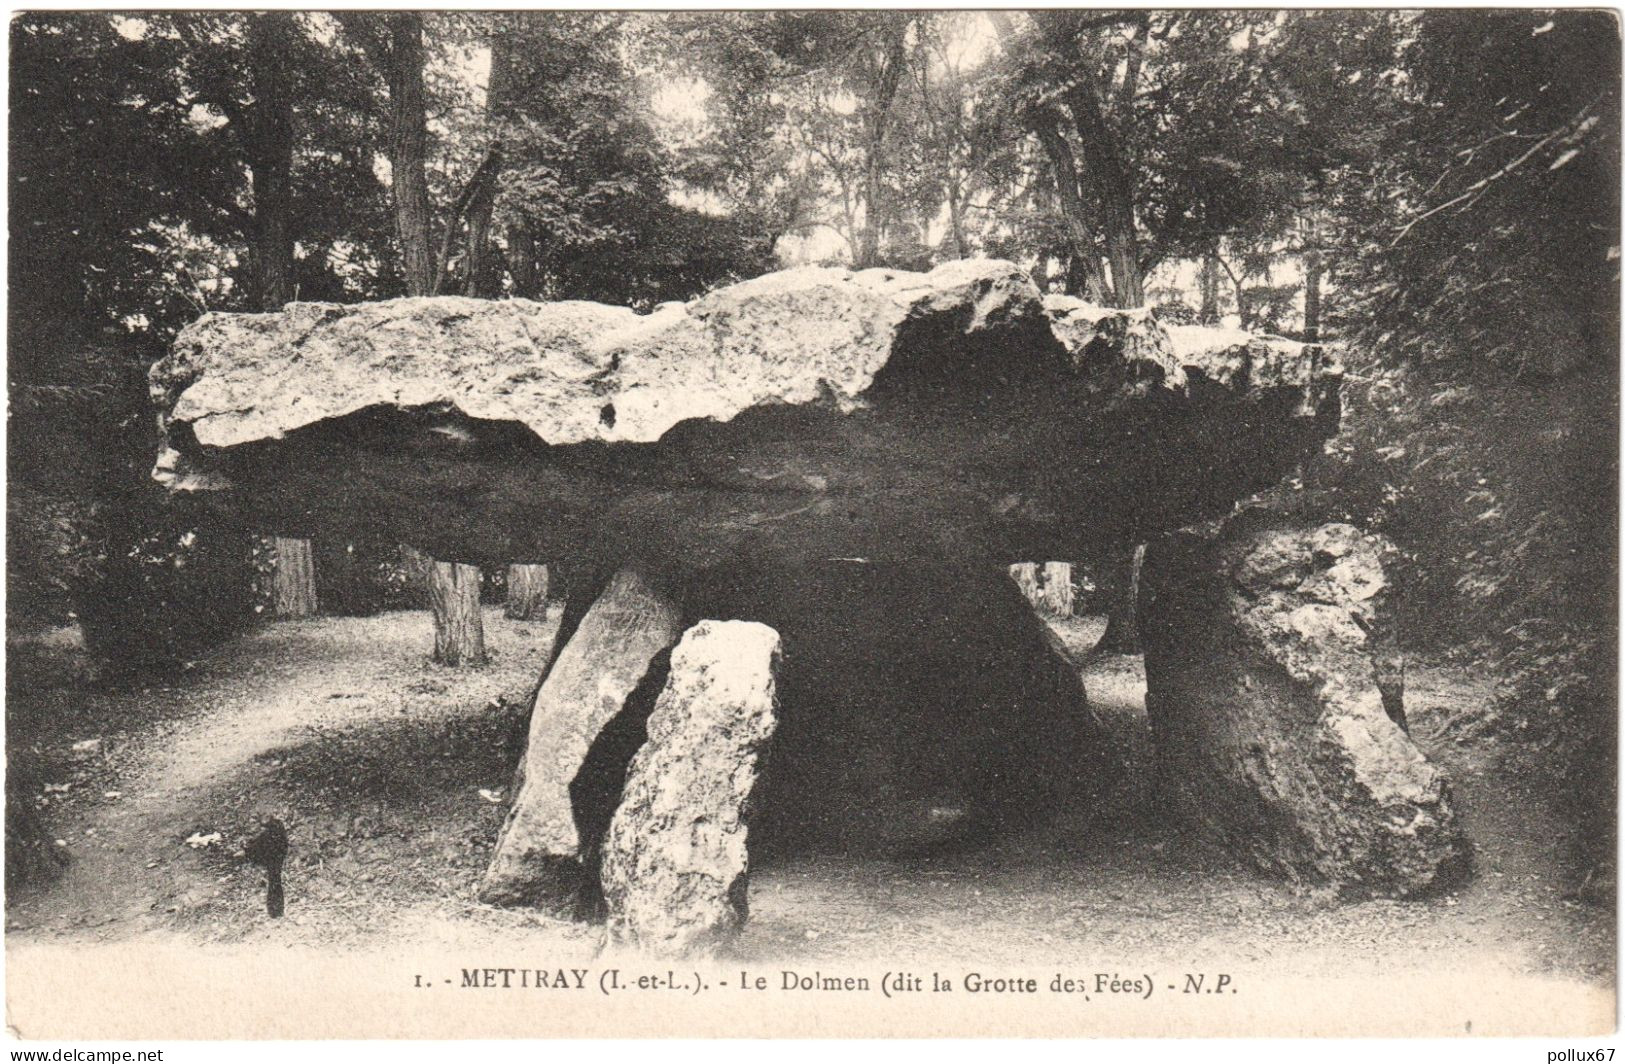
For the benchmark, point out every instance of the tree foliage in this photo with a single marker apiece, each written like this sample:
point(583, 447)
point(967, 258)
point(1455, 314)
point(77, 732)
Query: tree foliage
point(1486, 225)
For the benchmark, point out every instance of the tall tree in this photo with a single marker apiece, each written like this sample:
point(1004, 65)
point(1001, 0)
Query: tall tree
point(1100, 165)
point(555, 185)
point(481, 275)
point(880, 67)
point(403, 60)
point(268, 139)
point(395, 42)
point(268, 145)
point(113, 110)
point(1094, 189)
point(1166, 131)
point(820, 95)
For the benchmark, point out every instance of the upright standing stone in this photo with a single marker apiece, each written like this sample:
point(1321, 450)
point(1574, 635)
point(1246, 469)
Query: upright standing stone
point(538, 855)
point(1269, 724)
point(675, 859)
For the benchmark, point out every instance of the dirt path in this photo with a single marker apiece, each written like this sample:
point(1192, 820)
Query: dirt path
point(339, 726)
point(375, 759)
point(1107, 885)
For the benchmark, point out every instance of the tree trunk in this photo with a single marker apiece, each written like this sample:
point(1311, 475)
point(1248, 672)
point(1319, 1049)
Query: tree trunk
point(408, 150)
point(873, 193)
point(1084, 275)
point(454, 598)
point(1122, 635)
point(869, 239)
point(1312, 271)
point(269, 150)
point(1095, 283)
point(1241, 291)
point(527, 592)
point(524, 262)
point(294, 584)
point(1209, 314)
point(1073, 281)
point(1098, 173)
point(1107, 176)
point(1085, 279)
point(483, 277)
point(877, 122)
point(956, 220)
point(1057, 588)
point(1128, 286)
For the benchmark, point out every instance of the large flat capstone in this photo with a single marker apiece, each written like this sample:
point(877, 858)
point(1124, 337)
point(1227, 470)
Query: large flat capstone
point(803, 415)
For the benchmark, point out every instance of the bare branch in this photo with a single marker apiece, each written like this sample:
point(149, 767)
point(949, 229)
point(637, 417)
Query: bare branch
point(483, 174)
point(1478, 189)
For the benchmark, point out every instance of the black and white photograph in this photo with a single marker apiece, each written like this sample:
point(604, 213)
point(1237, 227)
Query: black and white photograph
point(843, 523)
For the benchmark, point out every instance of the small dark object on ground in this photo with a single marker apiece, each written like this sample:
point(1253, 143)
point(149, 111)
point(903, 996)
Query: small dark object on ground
point(269, 849)
point(1390, 666)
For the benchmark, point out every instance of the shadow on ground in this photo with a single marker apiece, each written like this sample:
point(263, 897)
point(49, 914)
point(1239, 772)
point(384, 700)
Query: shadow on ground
point(377, 760)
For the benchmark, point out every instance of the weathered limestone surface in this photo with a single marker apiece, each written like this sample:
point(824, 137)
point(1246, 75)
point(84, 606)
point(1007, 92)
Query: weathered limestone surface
point(1124, 354)
point(1236, 360)
point(1269, 725)
point(919, 704)
point(807, 414)
point(539, 854)
point(571, 371)
point(675, 862)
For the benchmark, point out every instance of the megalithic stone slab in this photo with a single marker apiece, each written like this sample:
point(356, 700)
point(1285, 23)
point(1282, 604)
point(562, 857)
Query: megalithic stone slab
point(538, 855)
point(675, 860)
point(808, 414)
point(1264, 705)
